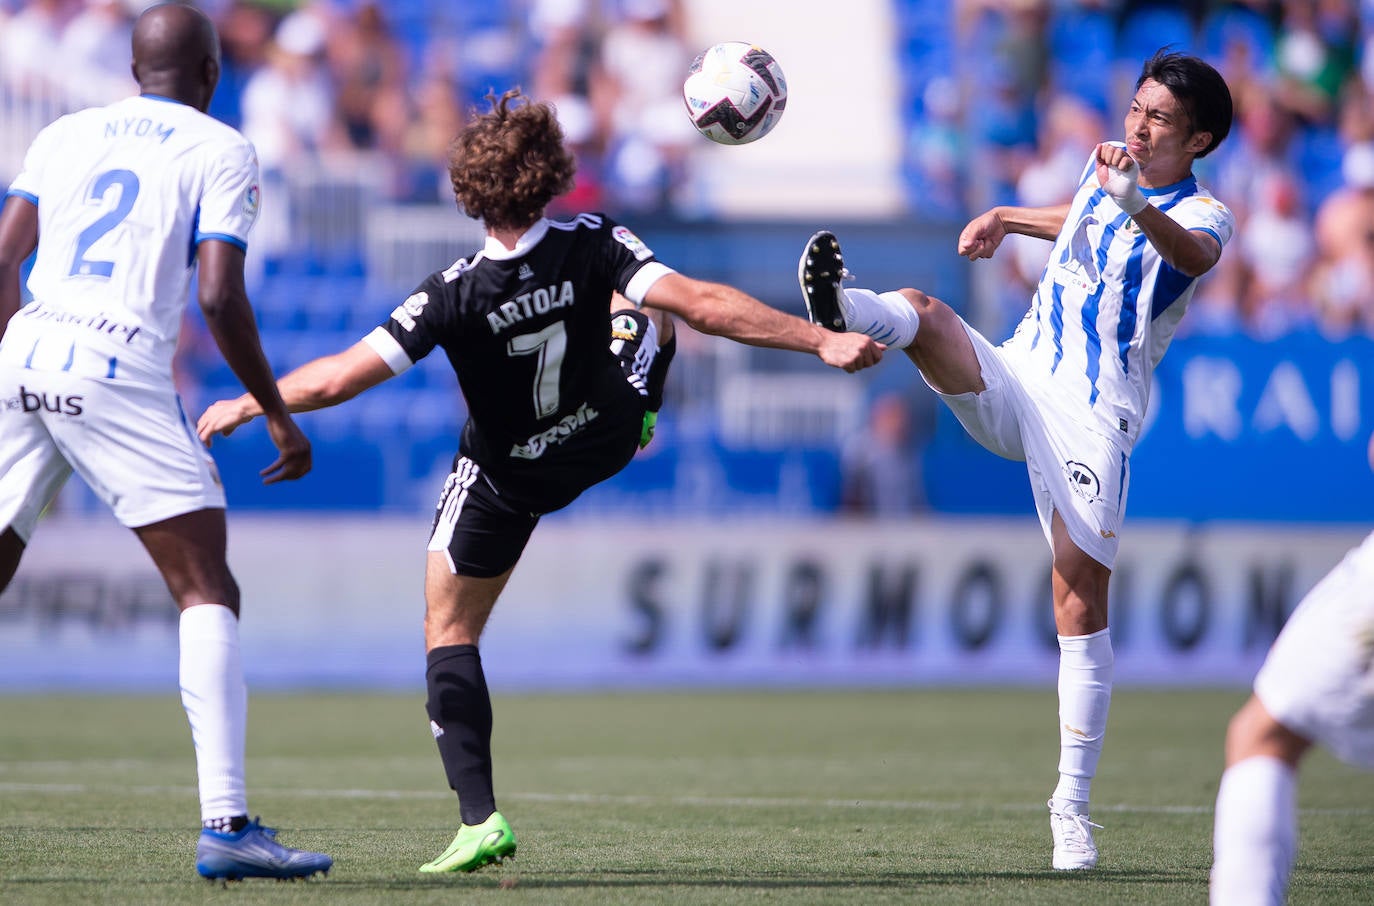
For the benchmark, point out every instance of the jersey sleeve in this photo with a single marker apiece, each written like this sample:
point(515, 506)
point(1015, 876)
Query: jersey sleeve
point(414, 328)
point(632, 263)
point(229, 203)
point(27, 184)
point(1205, 213)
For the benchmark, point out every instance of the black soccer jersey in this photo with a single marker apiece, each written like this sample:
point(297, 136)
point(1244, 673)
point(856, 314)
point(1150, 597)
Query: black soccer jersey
point(528, 333)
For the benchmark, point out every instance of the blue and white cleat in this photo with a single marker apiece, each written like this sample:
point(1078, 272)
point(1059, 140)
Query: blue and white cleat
point(254, 852)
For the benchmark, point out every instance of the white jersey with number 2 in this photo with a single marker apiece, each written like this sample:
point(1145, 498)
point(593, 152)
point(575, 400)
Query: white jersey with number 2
point(125, 194)
point(1107, 304)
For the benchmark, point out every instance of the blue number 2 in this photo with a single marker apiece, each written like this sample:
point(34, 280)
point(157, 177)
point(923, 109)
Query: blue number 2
point(128, 191)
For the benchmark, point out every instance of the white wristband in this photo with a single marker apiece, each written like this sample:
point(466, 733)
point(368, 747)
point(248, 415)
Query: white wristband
point(1124, 191)
point(1133, 202)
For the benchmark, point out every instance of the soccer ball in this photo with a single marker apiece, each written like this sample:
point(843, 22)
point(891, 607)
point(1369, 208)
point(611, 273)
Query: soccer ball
point(735, 93)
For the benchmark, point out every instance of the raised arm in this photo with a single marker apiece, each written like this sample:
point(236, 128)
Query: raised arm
point(985, 232)
point(720, 310)
point(1191, 252)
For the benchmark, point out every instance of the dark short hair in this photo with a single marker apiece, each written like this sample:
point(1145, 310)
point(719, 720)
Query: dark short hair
point(1199, 88)
point(508, 164)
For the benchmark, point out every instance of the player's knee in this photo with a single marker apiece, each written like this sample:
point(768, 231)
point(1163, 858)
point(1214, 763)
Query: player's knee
point(924, 304)
point(1253, 731)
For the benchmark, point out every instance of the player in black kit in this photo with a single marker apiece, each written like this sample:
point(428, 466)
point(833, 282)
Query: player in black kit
point(553, 407)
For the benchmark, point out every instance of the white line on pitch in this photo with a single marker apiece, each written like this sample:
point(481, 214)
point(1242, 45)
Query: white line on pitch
point(696, 801)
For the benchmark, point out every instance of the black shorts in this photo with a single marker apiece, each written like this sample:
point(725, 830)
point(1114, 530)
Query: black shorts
point(484, 520)
point(480, 533)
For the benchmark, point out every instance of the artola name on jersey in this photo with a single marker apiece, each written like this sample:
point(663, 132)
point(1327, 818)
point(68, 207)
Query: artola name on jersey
point(527, 305)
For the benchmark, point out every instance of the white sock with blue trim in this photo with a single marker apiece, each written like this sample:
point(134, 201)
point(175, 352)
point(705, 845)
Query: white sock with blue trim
point(888, 318)
point(216, 701)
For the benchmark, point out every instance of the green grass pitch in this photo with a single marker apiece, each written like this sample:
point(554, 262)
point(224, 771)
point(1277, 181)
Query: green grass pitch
point(930, 796)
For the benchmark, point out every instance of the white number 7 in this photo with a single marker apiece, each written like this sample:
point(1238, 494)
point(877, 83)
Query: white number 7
point(548, 345)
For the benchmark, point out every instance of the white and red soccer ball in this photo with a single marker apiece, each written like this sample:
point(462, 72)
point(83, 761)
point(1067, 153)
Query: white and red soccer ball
point(735, 93)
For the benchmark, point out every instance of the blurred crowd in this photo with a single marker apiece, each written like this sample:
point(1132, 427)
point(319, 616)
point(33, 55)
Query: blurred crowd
point(1037, 83)
point(1006, 99)
point(1002, 102)
point(323, 78)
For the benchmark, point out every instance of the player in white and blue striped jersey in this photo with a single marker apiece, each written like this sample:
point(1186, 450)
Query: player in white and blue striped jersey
point(1068, 390)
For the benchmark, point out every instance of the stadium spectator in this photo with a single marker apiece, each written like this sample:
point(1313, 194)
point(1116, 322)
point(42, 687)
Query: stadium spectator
point(94, 50)
point(530, 311)
point(564, 55)
point(1315, 55)
point(288, 115)
point(636, 94)
point(434, 119)
point(245, 31)
point(90, 358)
point(1067, 393)
point(368, 74)
point(1342, 281)
point(880, 466)
point(288, 103)
point(1277, 254)
point(29, 45)
point(1313, 689)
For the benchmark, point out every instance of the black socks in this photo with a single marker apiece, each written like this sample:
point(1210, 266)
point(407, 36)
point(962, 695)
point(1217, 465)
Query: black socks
point(459, 709)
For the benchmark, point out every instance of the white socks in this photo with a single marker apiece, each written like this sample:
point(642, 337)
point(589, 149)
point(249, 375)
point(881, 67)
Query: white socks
point(1255, 837)
point(1085, 695)
point(216, 701)
point(888, 318)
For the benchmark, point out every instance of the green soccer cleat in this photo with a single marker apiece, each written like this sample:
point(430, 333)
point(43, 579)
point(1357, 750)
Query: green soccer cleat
point(646, 430)
point(475, 846)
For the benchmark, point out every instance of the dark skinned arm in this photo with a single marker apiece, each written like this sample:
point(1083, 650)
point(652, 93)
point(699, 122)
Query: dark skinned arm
point(18, 239)
point(228, 314)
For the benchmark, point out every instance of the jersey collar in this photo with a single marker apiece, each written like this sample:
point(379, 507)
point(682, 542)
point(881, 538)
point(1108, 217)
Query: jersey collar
point(493, 249)
point(1186, 182)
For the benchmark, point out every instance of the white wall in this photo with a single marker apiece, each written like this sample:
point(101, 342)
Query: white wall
point(338, 602)
point(837, 149)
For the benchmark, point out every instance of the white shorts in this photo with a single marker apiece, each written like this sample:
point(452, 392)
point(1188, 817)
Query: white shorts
point(132, 443)
point(1318, 679)
point(1074, 470)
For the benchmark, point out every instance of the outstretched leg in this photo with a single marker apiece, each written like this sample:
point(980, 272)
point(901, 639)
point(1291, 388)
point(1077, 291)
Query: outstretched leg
point(931, 333)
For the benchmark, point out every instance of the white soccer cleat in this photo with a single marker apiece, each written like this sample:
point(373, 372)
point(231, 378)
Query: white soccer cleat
point(1074, 848)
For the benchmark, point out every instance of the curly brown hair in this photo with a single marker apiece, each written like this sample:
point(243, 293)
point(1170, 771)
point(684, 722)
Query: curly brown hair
point(507, 165)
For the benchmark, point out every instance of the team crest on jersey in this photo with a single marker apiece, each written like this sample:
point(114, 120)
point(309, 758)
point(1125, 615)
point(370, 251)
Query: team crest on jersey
point(1076, 264)
point(624, 327)
point(251, 197)
point(1084, 481)
point(632, 242)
